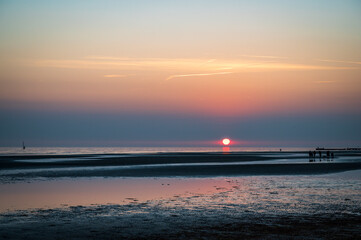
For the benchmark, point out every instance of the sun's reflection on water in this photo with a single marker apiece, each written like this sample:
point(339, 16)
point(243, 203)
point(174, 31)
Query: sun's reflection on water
point(225, 150)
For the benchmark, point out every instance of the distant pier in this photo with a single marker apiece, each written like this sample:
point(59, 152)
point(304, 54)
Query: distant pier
point(338, 149)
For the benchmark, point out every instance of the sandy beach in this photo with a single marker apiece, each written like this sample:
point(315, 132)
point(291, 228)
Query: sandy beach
point(259, 195)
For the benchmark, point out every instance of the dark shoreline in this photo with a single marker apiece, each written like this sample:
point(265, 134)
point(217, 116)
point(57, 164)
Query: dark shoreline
point(173, 165)
point(85, 160)
point(86, 223)
point(195, 171)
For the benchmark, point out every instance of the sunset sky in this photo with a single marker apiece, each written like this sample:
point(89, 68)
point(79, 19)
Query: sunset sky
point(180, 73)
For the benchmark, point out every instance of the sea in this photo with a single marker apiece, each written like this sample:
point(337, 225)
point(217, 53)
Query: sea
point(135, 150)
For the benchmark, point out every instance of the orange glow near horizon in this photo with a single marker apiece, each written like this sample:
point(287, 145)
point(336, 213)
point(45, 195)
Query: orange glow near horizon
point(238, 93)
point(131, 61)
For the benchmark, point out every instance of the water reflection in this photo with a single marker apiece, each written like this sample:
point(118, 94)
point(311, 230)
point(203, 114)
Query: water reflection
point(256, 194)
point(87, 191)
point(225, 150)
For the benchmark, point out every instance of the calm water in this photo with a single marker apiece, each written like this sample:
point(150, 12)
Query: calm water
point(256, 193)
point(120, 150)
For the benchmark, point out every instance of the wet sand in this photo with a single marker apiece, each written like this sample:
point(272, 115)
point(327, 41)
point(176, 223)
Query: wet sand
point(259, 207)
point(172, 165)
point(157, 223)
point(181, 196)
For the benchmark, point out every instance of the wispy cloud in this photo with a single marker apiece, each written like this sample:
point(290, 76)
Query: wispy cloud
point(338, 61)
point(108, 58)
point(178, 67)
point(289, 66)
point(197, 74)
point(224, 68)
point(115, 76)
point(129, 63)
point(262, 56)
point(325, 82)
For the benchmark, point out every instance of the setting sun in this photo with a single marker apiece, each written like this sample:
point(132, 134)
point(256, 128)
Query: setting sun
point(133, 104)
point(226, 141)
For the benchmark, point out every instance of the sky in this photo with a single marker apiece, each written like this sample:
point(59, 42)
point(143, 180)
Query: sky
point(180, 73)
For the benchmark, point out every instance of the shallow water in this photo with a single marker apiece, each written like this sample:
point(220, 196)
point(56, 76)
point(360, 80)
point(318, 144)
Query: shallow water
point(255, 193)
point(258, 207)
point(90, 191)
